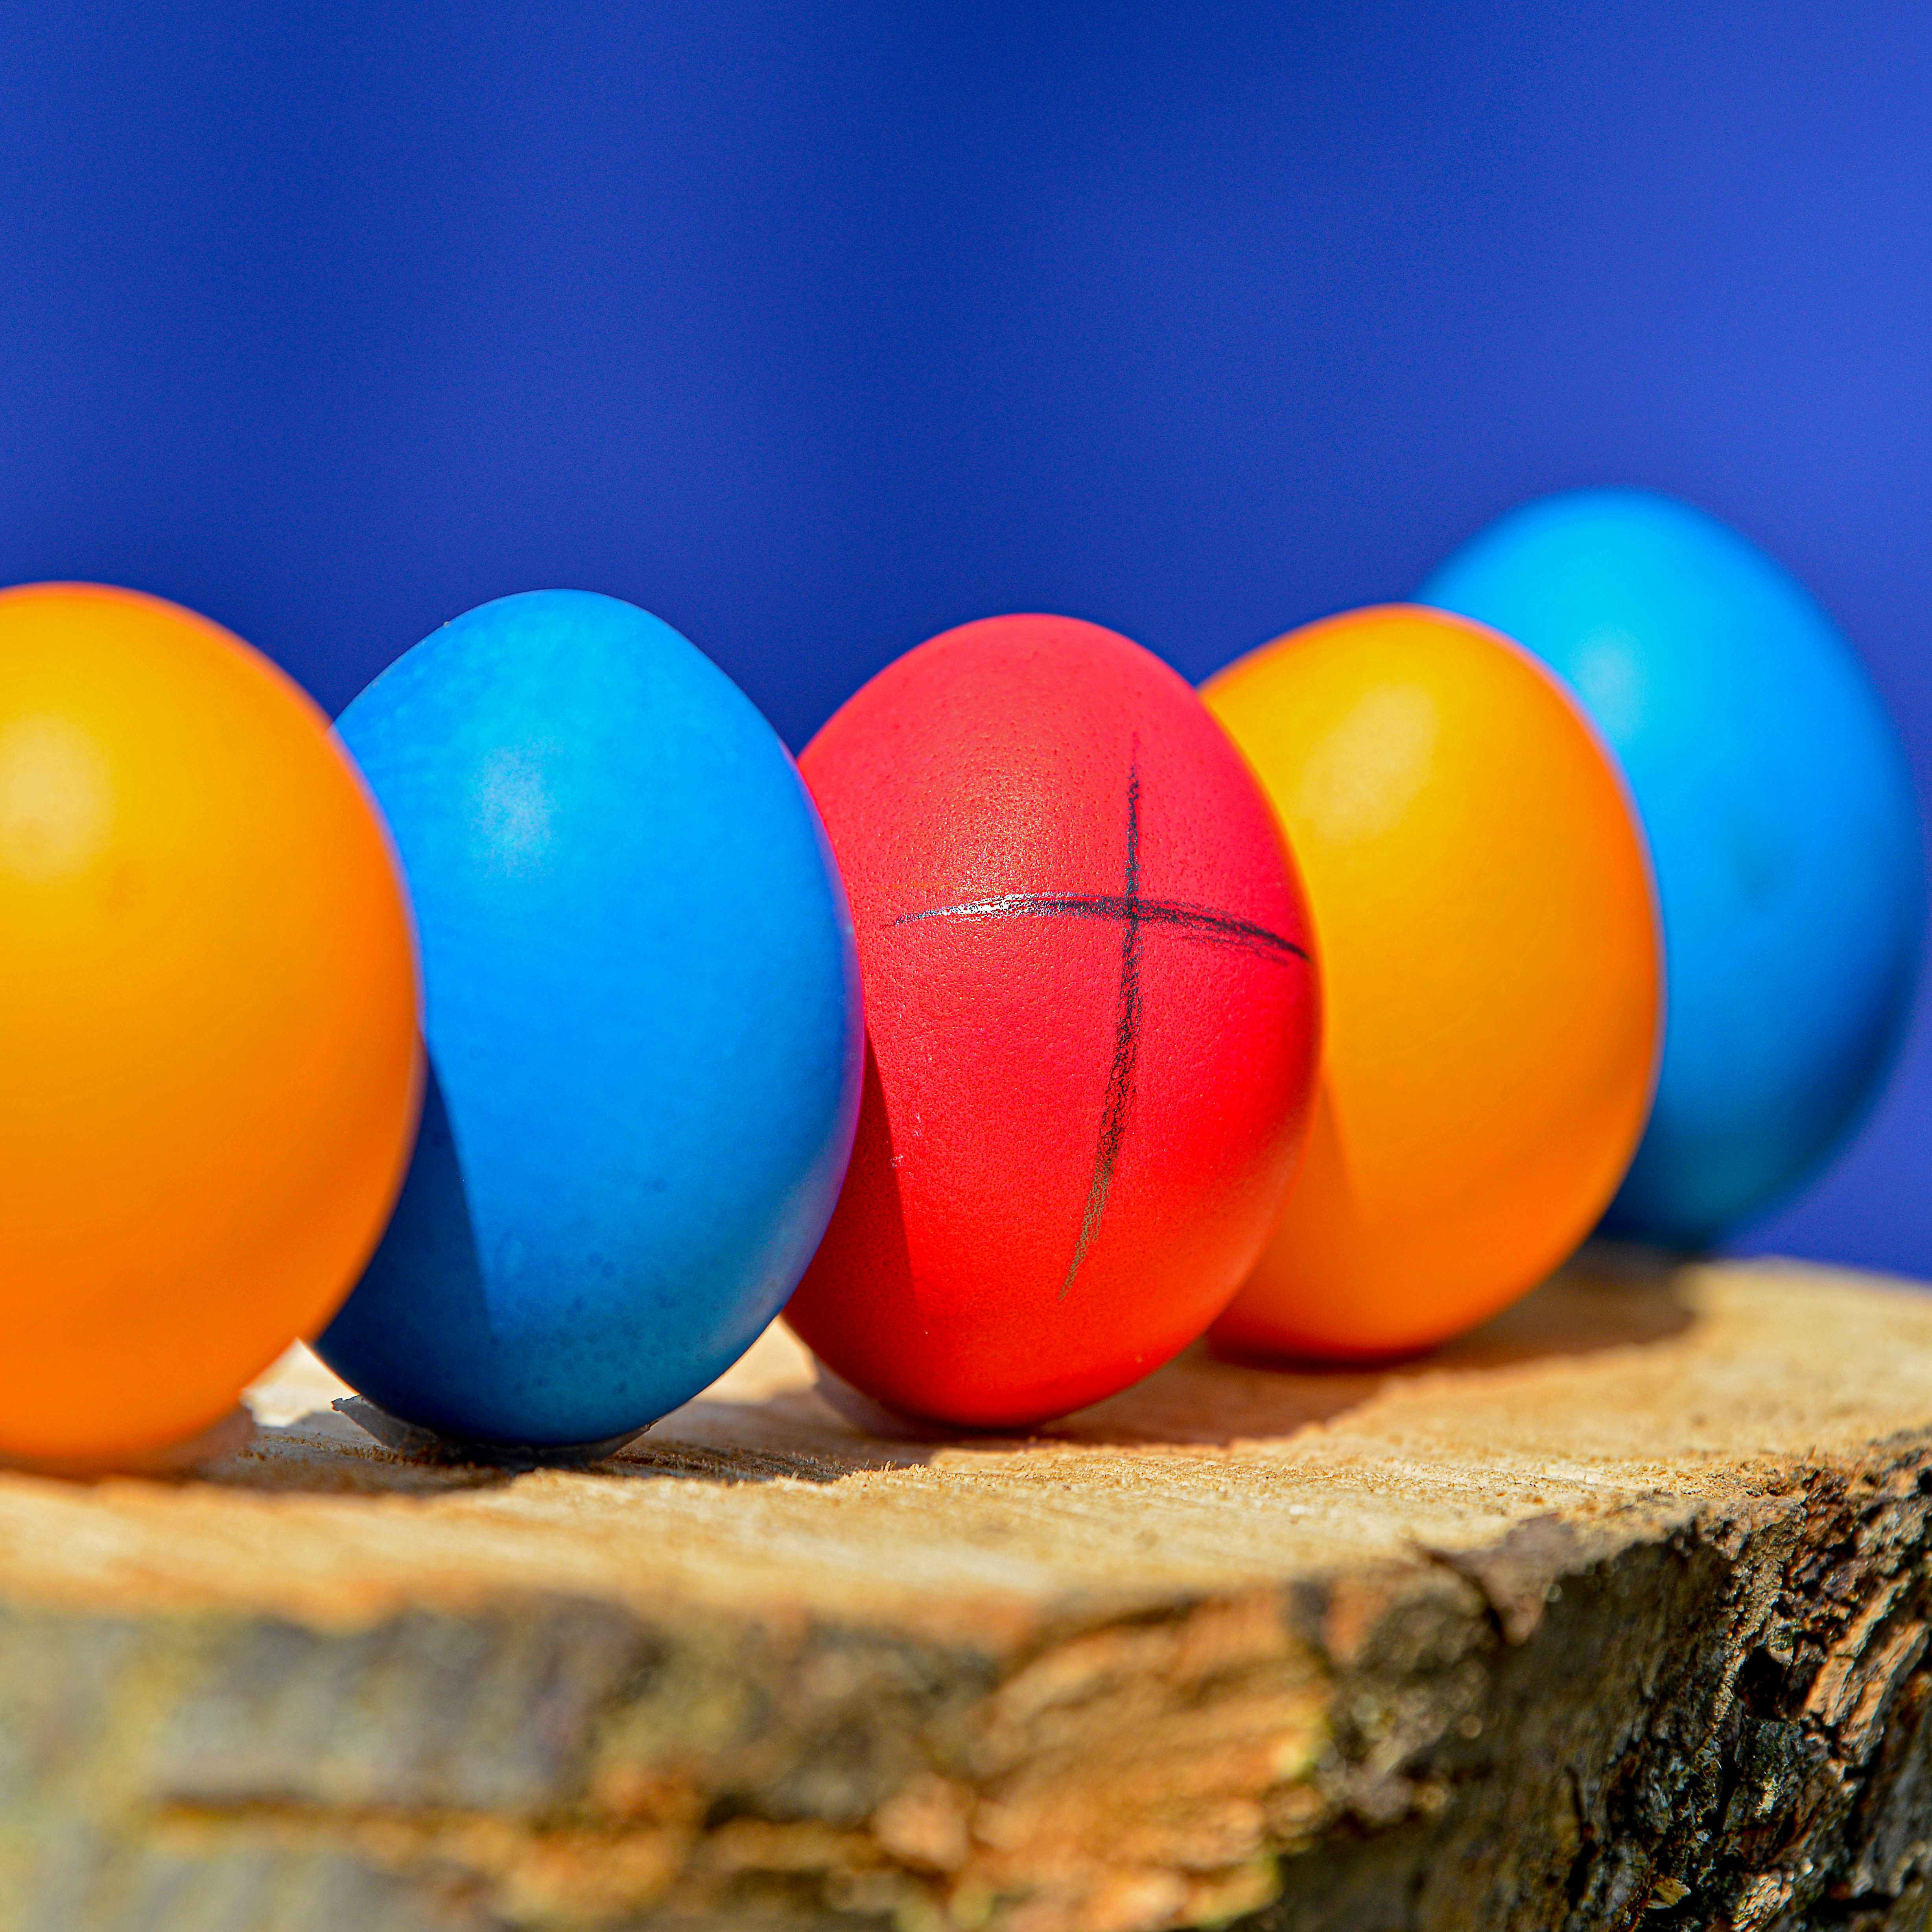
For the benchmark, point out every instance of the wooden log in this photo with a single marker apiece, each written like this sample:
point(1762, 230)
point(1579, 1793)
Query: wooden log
point(1614, 1614)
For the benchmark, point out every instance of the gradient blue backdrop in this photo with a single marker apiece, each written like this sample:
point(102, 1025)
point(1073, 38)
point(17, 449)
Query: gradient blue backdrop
point(817, 329)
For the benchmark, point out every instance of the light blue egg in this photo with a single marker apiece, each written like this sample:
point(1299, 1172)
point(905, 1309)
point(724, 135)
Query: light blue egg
point(640, 1001)
point(1781, 821)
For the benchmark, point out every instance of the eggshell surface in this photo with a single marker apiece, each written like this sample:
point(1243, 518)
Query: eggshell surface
point(641, 1012)
point(1091, 1023)
point(1482, 900)
point(208, 1028)
point(1779, 812)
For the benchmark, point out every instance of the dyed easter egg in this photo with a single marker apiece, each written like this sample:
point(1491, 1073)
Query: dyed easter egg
point(641, 1009)
point(209, 1027)
point(1090, 1018)
point(1482, 899)
point(1780, 816)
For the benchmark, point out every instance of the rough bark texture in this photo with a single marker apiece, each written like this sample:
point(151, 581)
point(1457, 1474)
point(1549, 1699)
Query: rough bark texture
point(1616, 1614)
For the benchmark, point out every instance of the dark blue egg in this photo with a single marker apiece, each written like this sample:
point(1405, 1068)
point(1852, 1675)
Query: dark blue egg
point(640, 1000)
point(1781, 820)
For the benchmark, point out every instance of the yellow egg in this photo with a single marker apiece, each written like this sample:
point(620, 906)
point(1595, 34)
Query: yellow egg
point(209, 1029)
point(1484, 912)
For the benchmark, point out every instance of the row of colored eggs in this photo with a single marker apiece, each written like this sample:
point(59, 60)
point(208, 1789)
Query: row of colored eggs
point(1097, 981)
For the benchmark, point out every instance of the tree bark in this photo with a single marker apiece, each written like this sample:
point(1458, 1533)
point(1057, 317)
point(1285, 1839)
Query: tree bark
point(1614, 1614)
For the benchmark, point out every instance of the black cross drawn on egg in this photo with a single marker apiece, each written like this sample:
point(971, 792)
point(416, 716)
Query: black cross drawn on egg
point(1134, 913)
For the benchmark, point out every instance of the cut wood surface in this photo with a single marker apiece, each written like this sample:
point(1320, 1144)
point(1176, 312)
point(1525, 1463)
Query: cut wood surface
point(1614, 1613)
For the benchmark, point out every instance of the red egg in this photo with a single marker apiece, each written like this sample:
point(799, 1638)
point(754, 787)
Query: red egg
point(1091, 1022)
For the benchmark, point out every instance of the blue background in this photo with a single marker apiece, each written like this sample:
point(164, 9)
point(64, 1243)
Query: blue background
point(817, 329)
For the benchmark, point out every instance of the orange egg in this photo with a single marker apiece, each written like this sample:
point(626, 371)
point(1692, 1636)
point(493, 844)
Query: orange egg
point(208, 1023)
point(1483, 909)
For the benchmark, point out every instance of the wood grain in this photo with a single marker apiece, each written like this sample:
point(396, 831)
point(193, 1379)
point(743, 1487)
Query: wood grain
point(1614, 1614)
